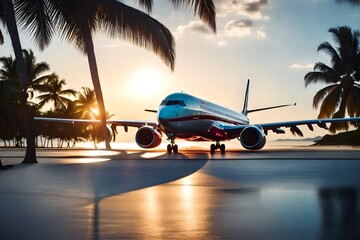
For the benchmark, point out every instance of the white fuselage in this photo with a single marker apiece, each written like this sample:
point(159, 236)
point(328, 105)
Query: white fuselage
point(184, 116)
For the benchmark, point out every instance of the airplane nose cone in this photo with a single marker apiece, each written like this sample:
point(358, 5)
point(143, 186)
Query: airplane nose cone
point(164, 115)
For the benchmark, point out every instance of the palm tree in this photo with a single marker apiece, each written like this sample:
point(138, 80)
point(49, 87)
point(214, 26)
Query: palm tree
point(35, 70)
point(8, 69)
point(85, 103)
point(54, 92)
point(7, 15)
point(342, 96)
point(86, 107)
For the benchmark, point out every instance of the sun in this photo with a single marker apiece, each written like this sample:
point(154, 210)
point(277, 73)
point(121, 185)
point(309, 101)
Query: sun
point(147, 82)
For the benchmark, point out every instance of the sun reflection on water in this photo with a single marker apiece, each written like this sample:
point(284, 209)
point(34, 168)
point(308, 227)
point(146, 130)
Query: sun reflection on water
point(180, 209)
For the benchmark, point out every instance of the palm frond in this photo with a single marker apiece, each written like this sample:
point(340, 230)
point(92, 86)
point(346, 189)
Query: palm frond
point(146, 4)
point(118, 19)
point(320, 77)
point(1, 38)
point(338, 126)
point(353, 105)
point(33, 17)
point(336, 60)
point(320, 95)
point(40, 80)
point(205, 9)
point(68, 92)
point(330, 102)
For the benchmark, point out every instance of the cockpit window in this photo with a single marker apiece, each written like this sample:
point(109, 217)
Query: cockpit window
point(172, 102)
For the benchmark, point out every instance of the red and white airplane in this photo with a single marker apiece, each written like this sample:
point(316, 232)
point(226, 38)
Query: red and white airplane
point(184, 116)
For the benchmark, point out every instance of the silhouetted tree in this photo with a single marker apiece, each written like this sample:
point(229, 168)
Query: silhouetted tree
point(53, 91)
point(7, 16)
point(342, 96)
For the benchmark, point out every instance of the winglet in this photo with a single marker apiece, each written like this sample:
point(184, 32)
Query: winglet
point(245, 109)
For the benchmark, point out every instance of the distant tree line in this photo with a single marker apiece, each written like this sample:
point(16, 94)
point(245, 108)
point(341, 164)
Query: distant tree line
point(47, 97)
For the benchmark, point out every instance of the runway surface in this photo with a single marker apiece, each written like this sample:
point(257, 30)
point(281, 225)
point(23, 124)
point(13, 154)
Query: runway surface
point(283, 193)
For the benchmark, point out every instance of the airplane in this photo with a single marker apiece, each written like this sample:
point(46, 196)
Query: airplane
point(183, 116)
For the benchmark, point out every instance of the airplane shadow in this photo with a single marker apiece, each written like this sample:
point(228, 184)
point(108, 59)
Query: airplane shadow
point(57, 191)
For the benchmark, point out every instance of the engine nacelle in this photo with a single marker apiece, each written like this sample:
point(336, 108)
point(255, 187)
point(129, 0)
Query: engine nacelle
point(252, 138)
point(148, 137)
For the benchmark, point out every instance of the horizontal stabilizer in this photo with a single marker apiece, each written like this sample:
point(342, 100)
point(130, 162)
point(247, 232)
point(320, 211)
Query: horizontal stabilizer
point(150, 110)
point(268, 108)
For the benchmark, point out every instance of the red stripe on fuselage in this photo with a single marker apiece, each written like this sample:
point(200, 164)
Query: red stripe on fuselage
point(205, 117)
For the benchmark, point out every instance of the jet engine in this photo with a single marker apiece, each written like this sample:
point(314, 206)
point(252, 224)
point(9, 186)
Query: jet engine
point(252, 138)
point(148, 137)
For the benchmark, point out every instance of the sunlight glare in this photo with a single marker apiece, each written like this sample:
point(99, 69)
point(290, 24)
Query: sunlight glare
point(95, 111)
point(147, 82)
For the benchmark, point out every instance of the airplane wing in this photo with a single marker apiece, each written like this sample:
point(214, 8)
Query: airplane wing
point(124, 123)
point(277, 126)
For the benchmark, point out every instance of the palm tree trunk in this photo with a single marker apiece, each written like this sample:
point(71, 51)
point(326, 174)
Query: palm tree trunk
point(96, 82)
point(30, 156)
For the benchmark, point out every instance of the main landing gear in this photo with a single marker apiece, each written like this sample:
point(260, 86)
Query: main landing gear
point(213, 147)
point(172, 147)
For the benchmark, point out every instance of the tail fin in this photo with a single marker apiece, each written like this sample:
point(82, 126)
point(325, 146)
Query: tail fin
point(245, 109)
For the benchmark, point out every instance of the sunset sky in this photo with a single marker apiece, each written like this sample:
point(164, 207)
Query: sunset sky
point(273, 43)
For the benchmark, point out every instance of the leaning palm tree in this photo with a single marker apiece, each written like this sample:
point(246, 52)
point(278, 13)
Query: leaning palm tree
point(78, 20)
point(53, 91)
point(342, 95)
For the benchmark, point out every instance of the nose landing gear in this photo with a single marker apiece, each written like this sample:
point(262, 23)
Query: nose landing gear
point(213, 147)
point(172, 147)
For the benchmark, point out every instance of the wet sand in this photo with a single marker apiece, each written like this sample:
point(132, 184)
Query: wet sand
point(281, 193)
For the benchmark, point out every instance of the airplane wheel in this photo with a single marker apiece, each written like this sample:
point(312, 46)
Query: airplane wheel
point(222, 148)
point(175, 148)
point(212, 148)
point(169, 148)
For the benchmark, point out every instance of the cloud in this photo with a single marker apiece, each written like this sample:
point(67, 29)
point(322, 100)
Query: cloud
point(222, 43)
point(193, 26)
point(257, 6)
point(260, 34)
point(238, 28)
point(302, 66)
point(249, 8)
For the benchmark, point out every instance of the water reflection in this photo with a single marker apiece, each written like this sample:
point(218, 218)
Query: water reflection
point(340, 213)
point(202, 206)
point(180, 209)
